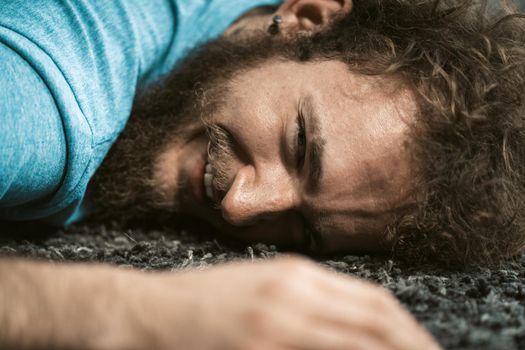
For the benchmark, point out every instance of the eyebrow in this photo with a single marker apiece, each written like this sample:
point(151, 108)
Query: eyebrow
point(316, 149)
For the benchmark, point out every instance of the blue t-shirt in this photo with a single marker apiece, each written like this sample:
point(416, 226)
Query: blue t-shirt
point(69, 70)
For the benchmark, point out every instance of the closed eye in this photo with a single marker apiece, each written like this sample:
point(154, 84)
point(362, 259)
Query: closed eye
point(300, 141)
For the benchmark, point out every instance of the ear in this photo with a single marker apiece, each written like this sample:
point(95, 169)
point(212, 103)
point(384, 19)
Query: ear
point(310, 15)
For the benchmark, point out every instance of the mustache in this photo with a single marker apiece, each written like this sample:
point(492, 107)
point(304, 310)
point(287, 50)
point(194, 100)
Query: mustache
point(220, 156)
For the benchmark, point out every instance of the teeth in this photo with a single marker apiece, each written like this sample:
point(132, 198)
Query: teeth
point(208, 178)
point(209, 192)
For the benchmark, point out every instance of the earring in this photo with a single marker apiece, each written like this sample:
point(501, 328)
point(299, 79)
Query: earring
point(275, 27)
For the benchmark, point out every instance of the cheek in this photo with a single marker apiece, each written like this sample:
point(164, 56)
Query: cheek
point(351, 233)
point(344, 161)
point(166, 171)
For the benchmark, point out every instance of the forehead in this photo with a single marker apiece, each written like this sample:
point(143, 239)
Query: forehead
point(363, 122)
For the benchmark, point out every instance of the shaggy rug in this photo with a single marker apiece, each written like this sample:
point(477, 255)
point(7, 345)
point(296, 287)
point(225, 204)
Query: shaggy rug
point(478, 308)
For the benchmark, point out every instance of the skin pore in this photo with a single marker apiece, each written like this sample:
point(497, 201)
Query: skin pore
point(317, 158)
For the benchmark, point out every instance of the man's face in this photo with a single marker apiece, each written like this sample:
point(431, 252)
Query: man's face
point(305, 149)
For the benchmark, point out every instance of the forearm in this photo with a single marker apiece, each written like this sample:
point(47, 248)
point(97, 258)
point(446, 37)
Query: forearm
point(277, 304)
point(44, 305)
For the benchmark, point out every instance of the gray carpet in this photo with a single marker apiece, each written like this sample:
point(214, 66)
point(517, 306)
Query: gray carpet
point(478, 308)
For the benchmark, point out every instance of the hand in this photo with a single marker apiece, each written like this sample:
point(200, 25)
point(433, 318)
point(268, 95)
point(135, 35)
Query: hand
point(286, 303)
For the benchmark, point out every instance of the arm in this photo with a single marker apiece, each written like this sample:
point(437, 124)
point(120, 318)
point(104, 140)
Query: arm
point(280, 304)
point(62, 306)
point(32, 142)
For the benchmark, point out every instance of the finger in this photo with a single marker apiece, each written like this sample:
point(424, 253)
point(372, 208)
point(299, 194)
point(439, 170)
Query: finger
point(380, 308)
point(386, 329)
point(350, 304)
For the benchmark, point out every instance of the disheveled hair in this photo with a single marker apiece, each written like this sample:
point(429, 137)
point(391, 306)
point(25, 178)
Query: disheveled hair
point(467, 67)
point(464, 61)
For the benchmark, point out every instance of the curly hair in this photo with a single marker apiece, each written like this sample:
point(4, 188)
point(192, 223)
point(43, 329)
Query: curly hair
point(467, 67)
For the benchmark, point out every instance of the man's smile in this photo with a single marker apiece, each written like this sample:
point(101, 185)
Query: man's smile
point(208, 179)
point(201, 178)
point(247, 168)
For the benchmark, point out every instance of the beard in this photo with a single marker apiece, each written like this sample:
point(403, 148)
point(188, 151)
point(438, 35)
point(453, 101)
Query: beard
point(124, 188)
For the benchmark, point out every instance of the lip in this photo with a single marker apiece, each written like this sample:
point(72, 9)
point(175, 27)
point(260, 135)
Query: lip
point(197, 180)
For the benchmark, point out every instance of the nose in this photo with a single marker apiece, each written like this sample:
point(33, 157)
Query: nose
point(258, 195)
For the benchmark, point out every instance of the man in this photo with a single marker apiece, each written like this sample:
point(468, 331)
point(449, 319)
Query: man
point(341, 136)
point(329, 144)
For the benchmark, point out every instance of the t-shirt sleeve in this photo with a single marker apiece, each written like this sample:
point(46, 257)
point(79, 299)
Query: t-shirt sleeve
point(32, 144)
point(69, 71)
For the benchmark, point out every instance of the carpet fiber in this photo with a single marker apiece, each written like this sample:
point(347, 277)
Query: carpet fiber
point(475, 309)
